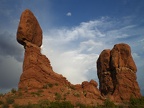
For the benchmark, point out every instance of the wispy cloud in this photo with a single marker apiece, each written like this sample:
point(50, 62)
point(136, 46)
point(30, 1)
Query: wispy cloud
point(73, 51)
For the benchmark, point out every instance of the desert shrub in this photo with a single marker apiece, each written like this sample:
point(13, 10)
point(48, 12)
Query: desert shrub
point(44, 103)
point(45, 86)
point(1, 95)
point(109, 104)
point(49, 85)
point(26, 106)
point(57, 96)
point(20, 93)
point(85, 93)
point(64, 104)
point(35, 93)
point(38, 93)
point(80, 105)
point(136, 102)
point(72, 87)
point(64, 97)
point(56, 84)
point(5, 105)
point(1, 102)
point(13, 90)
point(9, 100)
point(76, 94)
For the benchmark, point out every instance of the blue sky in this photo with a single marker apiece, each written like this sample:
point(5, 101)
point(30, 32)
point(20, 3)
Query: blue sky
point(74, 34)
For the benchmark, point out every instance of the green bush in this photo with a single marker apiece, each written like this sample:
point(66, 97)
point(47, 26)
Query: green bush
point(64, 104)
point(20, 93)
point(9, 100)
point(136, 102)
point(44, 104)
point(49, 85)
point(1, 95)
point(76, 94)
point(79, 105)
point(56, 84)
point(72, 87)
point(5, 106)
point(38, 93)
point(109, 104)
point(26, 106)
point(1, 102)
point(13, 90)
point(57, 96)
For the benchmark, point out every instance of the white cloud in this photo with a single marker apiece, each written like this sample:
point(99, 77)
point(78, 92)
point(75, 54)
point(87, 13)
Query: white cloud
point(69, 14)
point(73, 51)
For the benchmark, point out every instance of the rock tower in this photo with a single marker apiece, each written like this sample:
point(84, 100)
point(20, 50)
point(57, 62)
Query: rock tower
point(37, 70)
point(116, 71)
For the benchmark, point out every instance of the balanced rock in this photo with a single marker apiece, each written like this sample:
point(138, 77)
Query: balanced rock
point(116, 71)
point(37, 70)
point(29, 29)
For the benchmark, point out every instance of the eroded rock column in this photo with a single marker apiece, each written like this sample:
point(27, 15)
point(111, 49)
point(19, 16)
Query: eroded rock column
point(116, 71)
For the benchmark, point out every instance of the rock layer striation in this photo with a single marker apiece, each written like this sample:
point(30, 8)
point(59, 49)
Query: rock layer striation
point(116, 71)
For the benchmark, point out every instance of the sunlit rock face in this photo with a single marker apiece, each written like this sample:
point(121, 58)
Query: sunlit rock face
point(29, 29)
point(116, 71)
point(37, 70)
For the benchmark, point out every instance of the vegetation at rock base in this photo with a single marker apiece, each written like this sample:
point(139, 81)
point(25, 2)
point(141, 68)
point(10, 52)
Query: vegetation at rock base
point(136, 103)
point(10, 100)
point(13, 90)
point(57, 96)
point(133, 103)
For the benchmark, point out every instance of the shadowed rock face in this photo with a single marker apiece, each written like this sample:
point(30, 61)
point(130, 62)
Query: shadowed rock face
point(117, 73)
point(29, 29)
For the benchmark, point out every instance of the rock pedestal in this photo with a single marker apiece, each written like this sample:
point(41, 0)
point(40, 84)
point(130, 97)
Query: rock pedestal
point(37, 70)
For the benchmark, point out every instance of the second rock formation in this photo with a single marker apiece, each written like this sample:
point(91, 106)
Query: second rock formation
point(116, 71)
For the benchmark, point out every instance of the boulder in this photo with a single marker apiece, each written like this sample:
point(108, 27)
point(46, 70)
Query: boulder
point(91, 89)
point(29, 29)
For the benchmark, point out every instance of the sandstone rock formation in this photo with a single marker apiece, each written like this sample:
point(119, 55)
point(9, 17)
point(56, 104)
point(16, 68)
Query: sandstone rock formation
point(37, 70)
point(116, 71)
point(29, 29)
point(90, 89)
point(38, 74)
